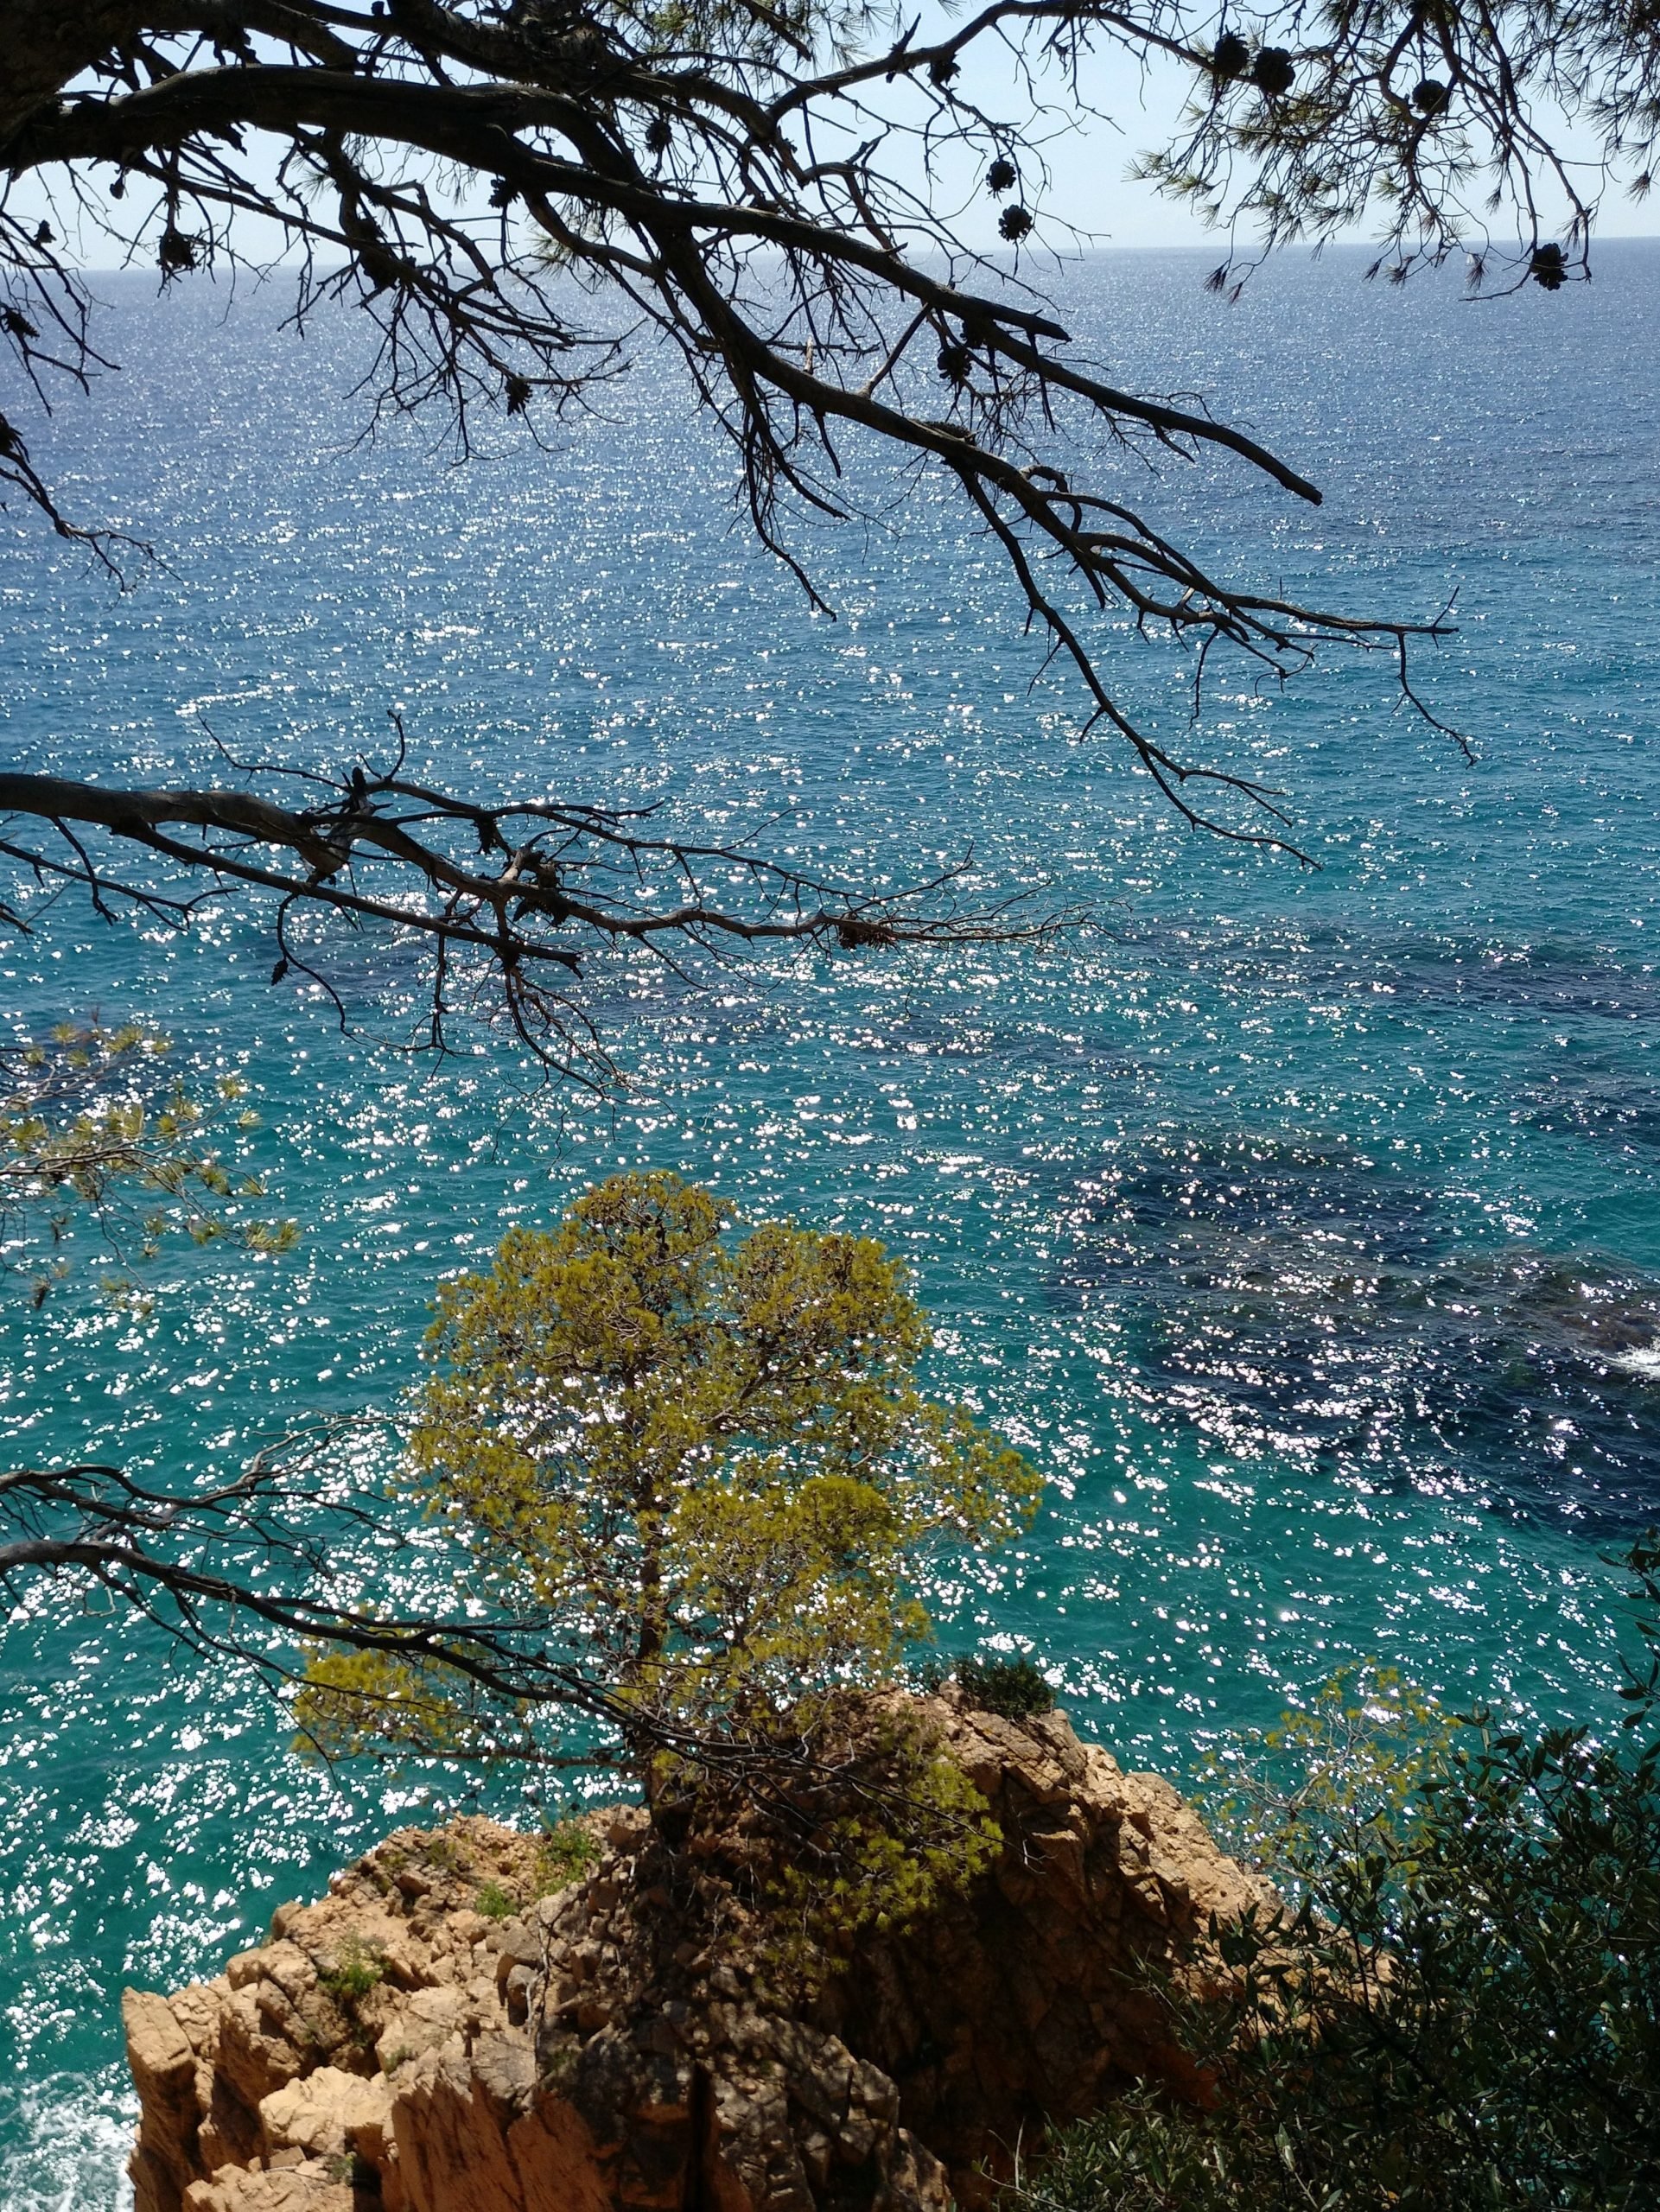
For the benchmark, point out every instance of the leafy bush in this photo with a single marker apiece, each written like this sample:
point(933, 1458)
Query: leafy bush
point(85, 1114)
point(358, 1968)
point(1464, 2013)
point(901, 1828)
point(566, 1855)
point(1015, 1688)
point(864, 1824)
point(1358, 1757)
point(494, 1903)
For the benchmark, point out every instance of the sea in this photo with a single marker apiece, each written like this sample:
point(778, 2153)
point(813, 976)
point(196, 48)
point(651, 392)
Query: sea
point(1301, 1222)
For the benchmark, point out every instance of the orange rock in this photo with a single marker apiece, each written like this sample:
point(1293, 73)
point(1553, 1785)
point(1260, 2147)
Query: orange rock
point(611, 2048)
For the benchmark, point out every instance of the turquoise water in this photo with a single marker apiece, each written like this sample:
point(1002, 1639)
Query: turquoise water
point(1305, 1226)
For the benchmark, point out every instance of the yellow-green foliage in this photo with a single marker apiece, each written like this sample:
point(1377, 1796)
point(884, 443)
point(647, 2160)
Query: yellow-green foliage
point(355, 1701)
point(1355, 1758)
point(82, 1116)
point(707, 1462)
point(890, 1859)
point(566, 1855)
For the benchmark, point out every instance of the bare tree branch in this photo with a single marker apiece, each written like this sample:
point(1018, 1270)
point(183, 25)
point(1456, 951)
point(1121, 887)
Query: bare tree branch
point(759, 189)
point(513, 887)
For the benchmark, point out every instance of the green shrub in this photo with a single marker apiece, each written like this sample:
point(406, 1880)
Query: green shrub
point(836, 1826)
point(1463, 2015)
point(494, 1903)
point(358, 1968)
point(568, 1852)
point(1015, 1688)
point(897, 1829)
point(1357, 1755)
point(558, 2060)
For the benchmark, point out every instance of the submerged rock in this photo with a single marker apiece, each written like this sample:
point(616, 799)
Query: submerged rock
point(619, 2043)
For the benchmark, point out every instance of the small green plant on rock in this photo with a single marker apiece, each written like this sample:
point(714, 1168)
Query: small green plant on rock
point(859, 1825)
point(558, 2061)
point(494, 1903)
point(921, 1834)
point(567, 1853)
point(358, 1968)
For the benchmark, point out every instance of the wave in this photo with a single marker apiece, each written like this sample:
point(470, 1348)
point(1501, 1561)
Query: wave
point(67, 2139)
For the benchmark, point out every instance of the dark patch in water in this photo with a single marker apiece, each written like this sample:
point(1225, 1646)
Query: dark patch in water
point(1319, 1306)
point(1555, 982)
point(1551, 980)
point(1602, 1107)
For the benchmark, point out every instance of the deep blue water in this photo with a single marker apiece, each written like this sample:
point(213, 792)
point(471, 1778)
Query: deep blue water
point(1305, 1225)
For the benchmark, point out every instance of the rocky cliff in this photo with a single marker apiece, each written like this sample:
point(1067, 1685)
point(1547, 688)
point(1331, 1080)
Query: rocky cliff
point(433, 2036)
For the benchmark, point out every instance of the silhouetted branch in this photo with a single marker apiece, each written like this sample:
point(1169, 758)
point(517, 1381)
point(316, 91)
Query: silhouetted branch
point(757, 190)
point(736, 179)
point(250, 1571)
point(512, 887)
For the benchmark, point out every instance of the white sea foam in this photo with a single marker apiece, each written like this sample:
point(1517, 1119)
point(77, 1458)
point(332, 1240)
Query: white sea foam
point(67, 2139)
point(1645, 1361)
